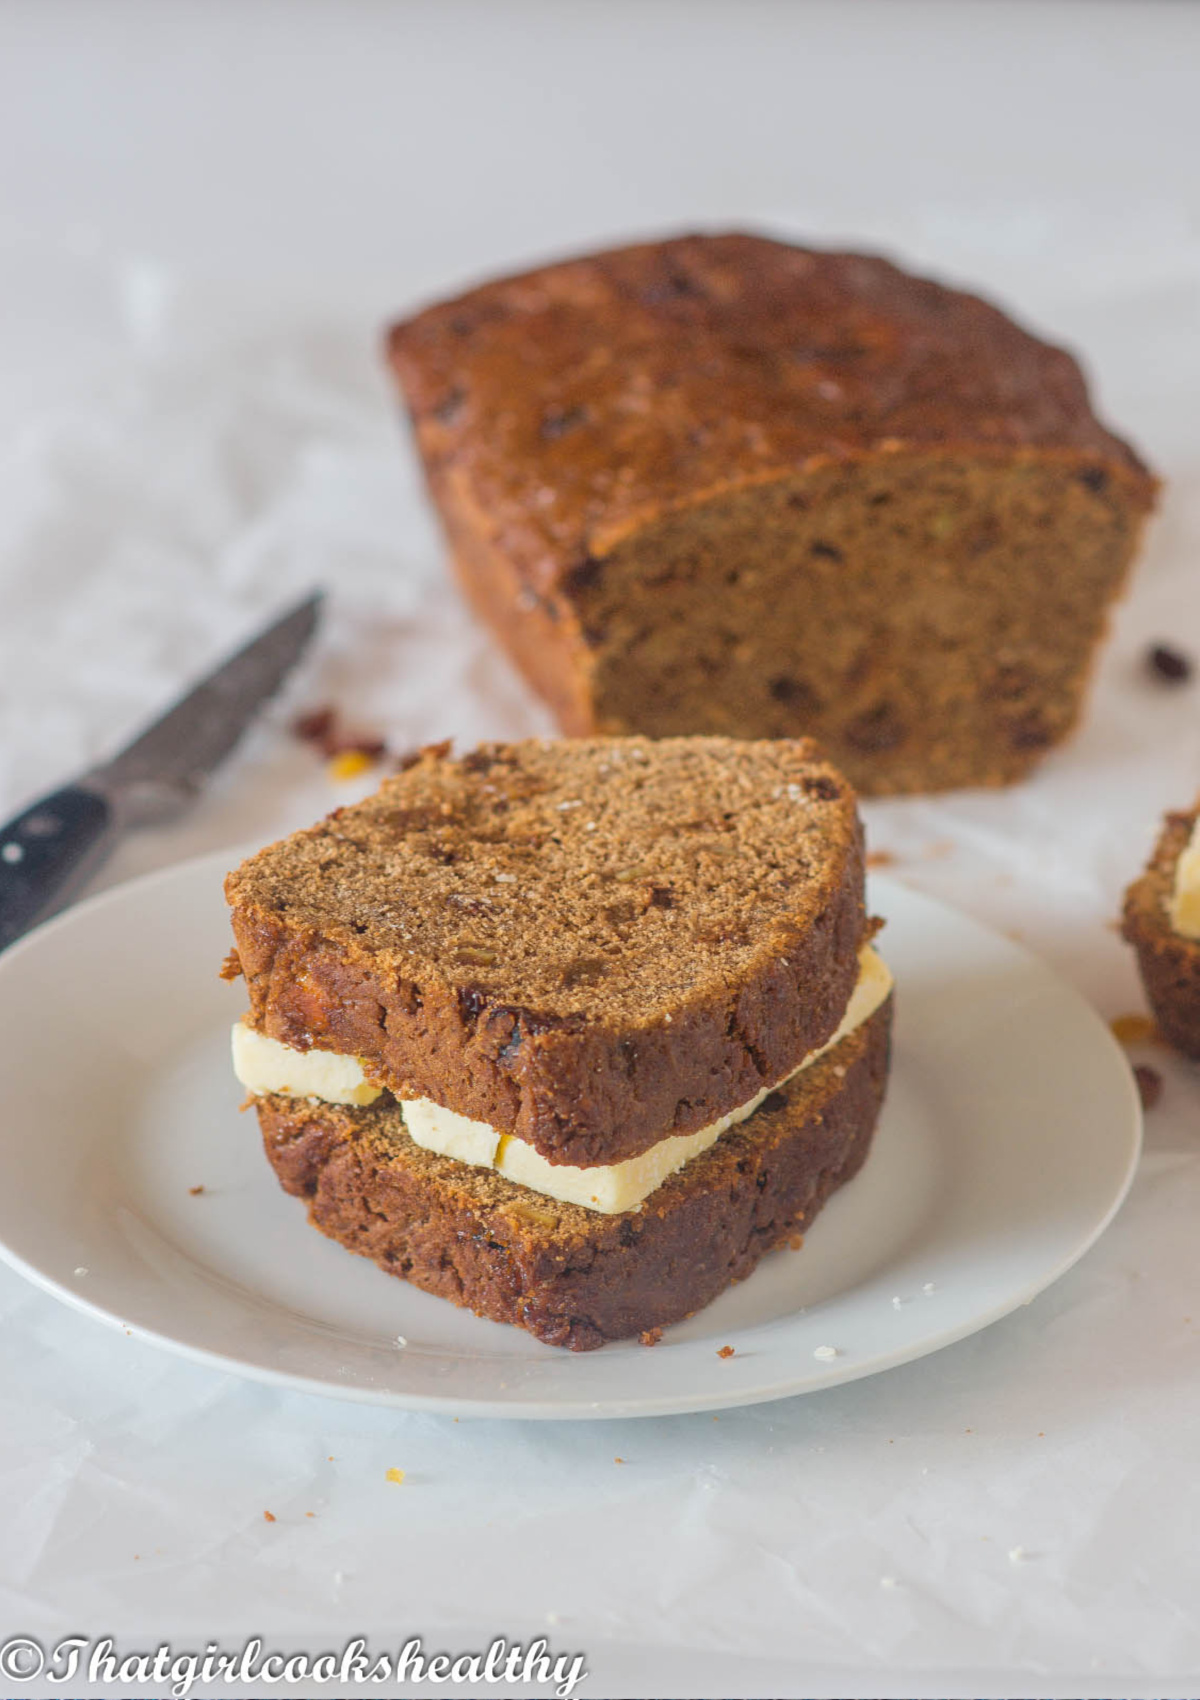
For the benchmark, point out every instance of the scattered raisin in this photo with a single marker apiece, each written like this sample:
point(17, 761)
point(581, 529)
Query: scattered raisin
point(314, 726)
point(1095, 479)
point(1171, 665)
point(321, 728)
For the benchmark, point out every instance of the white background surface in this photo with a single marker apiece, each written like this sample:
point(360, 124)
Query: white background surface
point(206, 212)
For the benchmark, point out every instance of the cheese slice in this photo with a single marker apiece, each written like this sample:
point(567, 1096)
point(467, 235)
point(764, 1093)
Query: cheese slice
point(263, 1065)
point(1185, 899)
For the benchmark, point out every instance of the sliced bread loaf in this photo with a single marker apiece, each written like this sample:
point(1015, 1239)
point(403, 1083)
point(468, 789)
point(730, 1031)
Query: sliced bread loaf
point(722, 484)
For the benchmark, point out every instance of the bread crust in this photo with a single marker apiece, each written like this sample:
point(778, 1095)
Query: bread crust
point(585, 1073)
point(570, 1276)
point(1169, 964)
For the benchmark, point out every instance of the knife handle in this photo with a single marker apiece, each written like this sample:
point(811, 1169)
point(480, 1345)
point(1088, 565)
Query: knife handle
point(48, 849)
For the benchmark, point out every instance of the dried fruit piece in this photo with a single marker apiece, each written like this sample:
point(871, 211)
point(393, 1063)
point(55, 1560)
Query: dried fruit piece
point(322, 728)
point(1133, 1029)
point(349, 764)
point(476, 955)
point(1171, 665)
point(314, 726)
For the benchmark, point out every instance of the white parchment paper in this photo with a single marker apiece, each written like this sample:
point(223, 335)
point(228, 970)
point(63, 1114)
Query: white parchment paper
point(1015, 1515)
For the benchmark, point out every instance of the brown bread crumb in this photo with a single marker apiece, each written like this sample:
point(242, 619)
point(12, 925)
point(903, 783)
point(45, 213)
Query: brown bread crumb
point(269, 1517)
point(195, 1191)
point(725, 1352)
point(650, 1336)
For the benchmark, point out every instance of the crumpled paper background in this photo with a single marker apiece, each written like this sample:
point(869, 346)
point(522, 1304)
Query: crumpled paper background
point(1014, 1515)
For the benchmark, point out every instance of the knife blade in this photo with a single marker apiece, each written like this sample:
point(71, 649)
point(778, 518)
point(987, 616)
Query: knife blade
point(55, 843)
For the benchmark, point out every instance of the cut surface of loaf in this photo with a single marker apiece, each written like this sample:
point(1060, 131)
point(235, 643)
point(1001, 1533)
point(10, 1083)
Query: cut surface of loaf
point(1168, 962)
point(723, 484)
point(589, 945)
point(570, 1277)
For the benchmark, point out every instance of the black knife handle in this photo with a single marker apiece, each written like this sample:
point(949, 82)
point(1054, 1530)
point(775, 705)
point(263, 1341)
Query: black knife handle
point(45, 851)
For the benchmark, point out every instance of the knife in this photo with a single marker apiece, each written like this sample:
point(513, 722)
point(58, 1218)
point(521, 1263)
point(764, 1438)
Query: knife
point(51, 847)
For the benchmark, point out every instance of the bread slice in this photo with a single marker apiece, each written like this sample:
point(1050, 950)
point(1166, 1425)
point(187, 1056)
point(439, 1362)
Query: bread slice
point(720, 484)
point(589, 945)
point(1168, 962)
point(572, 1277)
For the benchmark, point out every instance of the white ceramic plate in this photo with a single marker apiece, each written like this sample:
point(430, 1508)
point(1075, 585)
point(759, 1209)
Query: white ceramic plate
point(1008, 1141)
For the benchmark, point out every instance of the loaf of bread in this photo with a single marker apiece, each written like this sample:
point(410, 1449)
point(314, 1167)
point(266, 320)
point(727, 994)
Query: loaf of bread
point(572, 1032)
point(721, 484)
